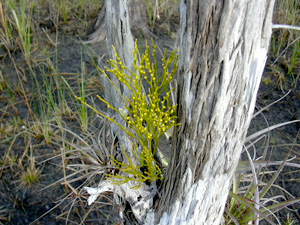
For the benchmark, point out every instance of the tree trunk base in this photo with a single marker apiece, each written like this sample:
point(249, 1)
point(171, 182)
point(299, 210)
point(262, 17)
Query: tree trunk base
point(138, 23)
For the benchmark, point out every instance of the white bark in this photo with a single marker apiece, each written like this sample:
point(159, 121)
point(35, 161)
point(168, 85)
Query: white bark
point(140, 200)
point(119, 36)
point(138, 22)
point(223, 49)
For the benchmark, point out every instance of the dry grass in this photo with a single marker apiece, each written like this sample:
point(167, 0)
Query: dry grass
point(285, 51)
point(82, 141)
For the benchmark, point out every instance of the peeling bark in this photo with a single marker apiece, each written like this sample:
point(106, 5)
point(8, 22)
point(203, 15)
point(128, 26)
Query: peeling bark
point(140, 200)
point(118, 34)
point(223, 49)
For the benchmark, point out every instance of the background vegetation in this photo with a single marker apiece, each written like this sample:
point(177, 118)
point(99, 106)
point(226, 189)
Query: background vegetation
point(48, 138)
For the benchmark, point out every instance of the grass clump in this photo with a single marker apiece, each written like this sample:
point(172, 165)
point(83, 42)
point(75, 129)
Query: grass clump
point(251, 198)
point(32, 175)
point(21, 13)
point(147, 115)
point(286, 42)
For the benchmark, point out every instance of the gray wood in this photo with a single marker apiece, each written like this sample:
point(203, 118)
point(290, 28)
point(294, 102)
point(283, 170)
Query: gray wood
point(223, 49)
point(138, 22)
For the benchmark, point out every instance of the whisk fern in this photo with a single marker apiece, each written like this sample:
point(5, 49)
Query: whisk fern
point(147, 114)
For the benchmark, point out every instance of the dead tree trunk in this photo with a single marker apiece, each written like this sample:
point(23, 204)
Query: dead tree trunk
point(223, 49)
point(119, 36)
point(138, 22)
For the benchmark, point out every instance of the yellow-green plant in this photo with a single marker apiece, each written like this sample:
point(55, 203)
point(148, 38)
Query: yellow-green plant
point(147, 114)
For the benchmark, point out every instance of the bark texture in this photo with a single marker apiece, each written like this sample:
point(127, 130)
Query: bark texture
point(138, 22)
point(119, 35)
point(223, 50)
